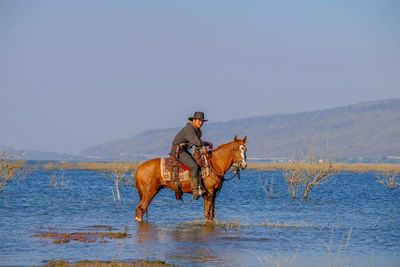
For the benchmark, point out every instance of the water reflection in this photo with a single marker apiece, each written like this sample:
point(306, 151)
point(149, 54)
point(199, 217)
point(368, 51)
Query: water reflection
point(147, 233)
point(188, 244)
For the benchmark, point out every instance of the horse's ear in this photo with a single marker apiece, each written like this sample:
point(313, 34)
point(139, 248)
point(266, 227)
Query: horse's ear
point(235, 140)
point(244, 140)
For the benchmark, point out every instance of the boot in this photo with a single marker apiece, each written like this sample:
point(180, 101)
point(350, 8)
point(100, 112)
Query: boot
point(196, 189)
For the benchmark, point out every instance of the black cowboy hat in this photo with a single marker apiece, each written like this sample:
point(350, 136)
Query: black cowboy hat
point(198, 115)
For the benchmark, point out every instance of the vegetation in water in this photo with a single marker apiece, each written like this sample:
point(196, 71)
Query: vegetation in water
point(389, 179)
point(12, 167)
point(336, 166)
point(59, 238)
point(89, 263)
point(91, 165)
point(118, 172)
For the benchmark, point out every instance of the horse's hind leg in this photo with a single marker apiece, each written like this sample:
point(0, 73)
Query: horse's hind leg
point(147, 182)
point(145, 200)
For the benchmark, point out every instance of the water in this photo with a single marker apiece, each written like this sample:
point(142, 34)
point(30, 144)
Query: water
point(313, 232)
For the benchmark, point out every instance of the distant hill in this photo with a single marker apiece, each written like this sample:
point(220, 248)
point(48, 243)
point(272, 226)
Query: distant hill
point(365, 130)
point(42, 155)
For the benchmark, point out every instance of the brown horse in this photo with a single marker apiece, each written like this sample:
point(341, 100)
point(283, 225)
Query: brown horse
point(148, 179)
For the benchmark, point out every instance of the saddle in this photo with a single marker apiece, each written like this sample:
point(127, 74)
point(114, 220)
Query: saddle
point(174, 171)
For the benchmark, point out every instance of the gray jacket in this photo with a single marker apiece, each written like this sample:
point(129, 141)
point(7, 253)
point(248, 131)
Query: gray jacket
point(189, 136)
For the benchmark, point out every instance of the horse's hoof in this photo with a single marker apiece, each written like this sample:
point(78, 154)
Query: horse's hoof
point(138, 219)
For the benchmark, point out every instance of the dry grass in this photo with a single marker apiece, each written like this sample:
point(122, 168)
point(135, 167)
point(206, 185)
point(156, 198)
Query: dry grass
point(104, 166)
point(350, 167)
point(92, 166)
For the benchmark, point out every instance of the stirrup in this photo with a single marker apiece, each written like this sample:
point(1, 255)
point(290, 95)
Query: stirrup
point(198, 193)
point(200, 190)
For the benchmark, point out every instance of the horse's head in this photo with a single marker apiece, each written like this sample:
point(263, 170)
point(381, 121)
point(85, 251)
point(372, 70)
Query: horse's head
point(239, 152)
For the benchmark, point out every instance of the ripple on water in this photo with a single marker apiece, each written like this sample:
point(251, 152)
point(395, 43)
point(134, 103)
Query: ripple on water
point(249, 226)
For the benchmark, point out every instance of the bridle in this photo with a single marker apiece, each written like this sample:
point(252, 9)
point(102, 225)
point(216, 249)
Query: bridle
point(236, 166)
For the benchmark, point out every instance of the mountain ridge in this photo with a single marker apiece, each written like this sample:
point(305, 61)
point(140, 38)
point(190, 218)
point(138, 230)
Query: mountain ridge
point(364, 130)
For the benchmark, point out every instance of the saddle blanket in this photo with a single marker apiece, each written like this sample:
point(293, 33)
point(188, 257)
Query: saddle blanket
point(183, 173)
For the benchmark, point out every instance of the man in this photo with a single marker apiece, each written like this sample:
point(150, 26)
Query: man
point(187, 137)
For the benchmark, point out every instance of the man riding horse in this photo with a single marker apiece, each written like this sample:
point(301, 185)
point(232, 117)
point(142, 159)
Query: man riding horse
point(185, 139)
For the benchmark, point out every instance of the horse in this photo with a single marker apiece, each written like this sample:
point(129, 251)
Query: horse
point(148, 179)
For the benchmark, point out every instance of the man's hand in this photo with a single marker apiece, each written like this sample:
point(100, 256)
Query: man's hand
point(210, 145)
point(204, 149)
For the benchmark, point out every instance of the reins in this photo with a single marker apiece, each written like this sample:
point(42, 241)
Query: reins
point(236, 170)
point(186, 203)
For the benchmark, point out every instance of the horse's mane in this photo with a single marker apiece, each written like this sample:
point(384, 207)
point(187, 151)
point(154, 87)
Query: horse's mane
point(222, 146)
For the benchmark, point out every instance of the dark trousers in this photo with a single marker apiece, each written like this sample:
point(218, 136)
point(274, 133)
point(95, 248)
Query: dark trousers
point(188, 160)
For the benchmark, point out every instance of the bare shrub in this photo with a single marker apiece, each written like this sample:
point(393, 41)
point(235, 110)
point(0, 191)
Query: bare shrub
point(58, 181)
point(268, 187)
point(12, 167)
point(307, 171)
point(294, 178)
point(389, 179)
point(119, 174)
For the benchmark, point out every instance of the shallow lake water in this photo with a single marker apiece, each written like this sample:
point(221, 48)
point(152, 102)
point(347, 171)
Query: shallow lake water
point(350, 221)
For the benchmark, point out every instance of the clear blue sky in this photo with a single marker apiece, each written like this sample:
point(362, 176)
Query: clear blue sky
point(78, 73)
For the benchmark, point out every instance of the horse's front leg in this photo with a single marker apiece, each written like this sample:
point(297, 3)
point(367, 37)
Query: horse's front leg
point(212, 208)
point(208, 207)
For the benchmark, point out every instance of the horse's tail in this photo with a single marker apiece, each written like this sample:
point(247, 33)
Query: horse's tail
point(137, 183)
point(136, 176)
point(135, 179)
